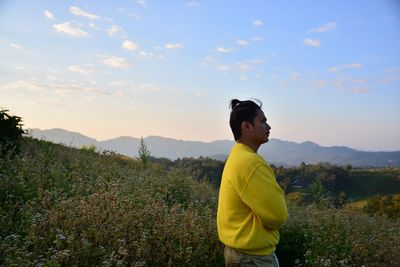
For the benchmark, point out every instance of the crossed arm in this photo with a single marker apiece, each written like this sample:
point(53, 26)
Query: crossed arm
point(265, 197)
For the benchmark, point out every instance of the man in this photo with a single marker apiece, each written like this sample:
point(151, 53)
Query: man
point(251, 205)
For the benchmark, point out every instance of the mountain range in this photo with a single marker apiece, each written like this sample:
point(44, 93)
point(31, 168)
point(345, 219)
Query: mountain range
point(276, 151)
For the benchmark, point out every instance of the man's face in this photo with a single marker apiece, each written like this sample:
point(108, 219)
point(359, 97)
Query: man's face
point(260, 129)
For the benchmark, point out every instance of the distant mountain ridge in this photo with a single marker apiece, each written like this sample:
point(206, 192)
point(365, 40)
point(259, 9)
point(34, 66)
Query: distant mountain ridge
point(276, 151)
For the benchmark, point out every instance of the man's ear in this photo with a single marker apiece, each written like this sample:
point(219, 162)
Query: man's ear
point(245, 126)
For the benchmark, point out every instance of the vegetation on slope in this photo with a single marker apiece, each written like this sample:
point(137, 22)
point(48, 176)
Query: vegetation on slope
point(75, 207)
point(62, 206)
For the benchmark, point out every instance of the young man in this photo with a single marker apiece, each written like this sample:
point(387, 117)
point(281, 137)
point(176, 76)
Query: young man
point(251, 205)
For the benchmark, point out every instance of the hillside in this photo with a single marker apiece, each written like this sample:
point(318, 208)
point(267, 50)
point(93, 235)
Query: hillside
point(63, 206)
point(276, 151)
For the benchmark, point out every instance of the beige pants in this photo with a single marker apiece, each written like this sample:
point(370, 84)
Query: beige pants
point(234, 258)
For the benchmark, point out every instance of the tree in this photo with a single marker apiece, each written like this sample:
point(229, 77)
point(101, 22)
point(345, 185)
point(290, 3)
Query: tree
point(10, 133)
point(144, 153)
point(317, 191)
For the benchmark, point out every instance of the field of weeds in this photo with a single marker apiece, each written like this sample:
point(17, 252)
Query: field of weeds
point(62, 206)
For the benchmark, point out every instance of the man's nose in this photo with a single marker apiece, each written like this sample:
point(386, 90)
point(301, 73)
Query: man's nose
point(268, 127)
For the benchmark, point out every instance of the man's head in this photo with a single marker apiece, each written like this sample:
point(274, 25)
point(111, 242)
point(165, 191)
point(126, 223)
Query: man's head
point(248, 121)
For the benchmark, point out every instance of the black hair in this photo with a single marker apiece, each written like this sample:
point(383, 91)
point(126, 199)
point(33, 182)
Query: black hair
point(242, 111)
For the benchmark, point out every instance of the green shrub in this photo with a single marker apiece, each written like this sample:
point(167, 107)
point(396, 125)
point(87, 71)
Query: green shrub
point(295, 197)
point(10, 133)
point(388, 205)
point(334, 237)
point(144, 153)
point(89, 148)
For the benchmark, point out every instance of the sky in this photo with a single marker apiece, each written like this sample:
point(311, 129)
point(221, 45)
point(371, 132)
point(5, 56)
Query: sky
point(325, 71)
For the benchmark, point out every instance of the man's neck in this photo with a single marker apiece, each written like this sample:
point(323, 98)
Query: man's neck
point(254, 147)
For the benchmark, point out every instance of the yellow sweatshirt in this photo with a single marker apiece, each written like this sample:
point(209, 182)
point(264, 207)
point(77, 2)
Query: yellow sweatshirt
point(251, 205)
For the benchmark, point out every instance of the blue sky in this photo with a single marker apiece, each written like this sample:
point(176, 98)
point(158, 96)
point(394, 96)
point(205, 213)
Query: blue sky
point(326, 71)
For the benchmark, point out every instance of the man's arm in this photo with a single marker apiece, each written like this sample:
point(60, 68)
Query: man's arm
point(265, 197)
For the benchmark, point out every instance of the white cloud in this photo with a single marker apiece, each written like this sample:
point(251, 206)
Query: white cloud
point(118, 83)
point(258, 61)
point(145, 55)
point(94, 26)
point(242, 77)
point(21, 48)
point(257, 23)
point(242, 42)
point(173, 46)
point(391, 75)
point(348, 66)
point(93, 90)
point(354, 85)
point(141, 2)
point(339, 84)
point(324, 28)
point(223, 69)
point(134, 15)
point(129, 45)
point(21, 68)
point(210, 59)
point(60, 90)
point(333, 69)
point(48, 14)
point(16, 46)
point(295, 76)
point(199, 93)
point(393, 69)
point(21, 85)
point(109, 19)
point(361, 90)
point(256, 39)
point(318, 83)
point(64, 89)
point(79, 12)
point(53, 78)
point(243, 66)
point(116, 62)
point(312, 42)
point(120, 93)
point(115, 31)
point(224, 50)
point(360, 81)
point(352, 66)
point(146, 88)
point(77, 69)
point(70, 29)
point(193, 4)
point(149, 56)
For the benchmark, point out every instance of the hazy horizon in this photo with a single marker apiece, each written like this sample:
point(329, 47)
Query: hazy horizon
point(210, 141)
point(327, 72)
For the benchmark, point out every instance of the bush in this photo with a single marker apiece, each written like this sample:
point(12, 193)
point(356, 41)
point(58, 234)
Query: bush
point(89, 148)
point(10, 134)
point(388, 205)
point(334, 237)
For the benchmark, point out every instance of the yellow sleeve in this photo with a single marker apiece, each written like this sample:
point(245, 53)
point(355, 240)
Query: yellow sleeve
point(265, 197)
